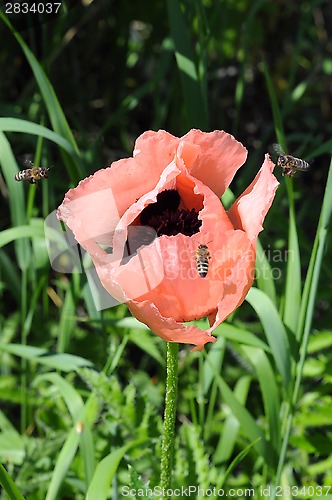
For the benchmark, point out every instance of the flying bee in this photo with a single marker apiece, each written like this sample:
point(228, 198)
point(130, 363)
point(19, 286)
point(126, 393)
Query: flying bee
point(202, 260)
point(288, 163)
point(32, 174)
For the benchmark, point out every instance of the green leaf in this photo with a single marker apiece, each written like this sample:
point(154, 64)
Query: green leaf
point(27, 127)
point(147, 342)
point(213, 364)
point(274, 330)
point(64, 362)
point(319, 341)
point(79, 413)
point(227, 441)
point(57, 116)
point(277, 116)
point(248, 425)
point(235, 334)
point(12, 447)
point(264, 274)
point(293, 276)
point(9, 486)
point(239, 457)
point(101, 481)
point(193, 90)
point(23, 351)
point(63, 463)
point(269, 387)
point(16, 200)
point(15, 233)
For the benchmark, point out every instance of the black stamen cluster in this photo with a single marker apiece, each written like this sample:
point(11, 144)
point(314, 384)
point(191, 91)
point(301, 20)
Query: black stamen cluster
point(165, 217)
point(162, 218)
point(171, 222)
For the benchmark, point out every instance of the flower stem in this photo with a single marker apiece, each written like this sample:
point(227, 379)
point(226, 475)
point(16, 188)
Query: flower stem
point(167, 447)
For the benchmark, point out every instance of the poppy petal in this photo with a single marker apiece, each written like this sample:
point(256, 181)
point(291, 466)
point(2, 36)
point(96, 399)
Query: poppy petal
point(249, 210)
point(221, 155)
point(167, 328)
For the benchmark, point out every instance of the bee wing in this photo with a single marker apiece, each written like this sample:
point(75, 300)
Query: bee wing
point(278, 149)
point(26, 160)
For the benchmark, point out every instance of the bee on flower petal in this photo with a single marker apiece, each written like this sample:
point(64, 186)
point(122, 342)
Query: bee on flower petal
point(202, 260)
point(288, 163)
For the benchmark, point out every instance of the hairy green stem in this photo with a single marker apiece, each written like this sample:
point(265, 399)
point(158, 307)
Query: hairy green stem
point(167, 448)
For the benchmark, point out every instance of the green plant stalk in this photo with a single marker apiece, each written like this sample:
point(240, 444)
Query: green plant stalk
point(167, 447)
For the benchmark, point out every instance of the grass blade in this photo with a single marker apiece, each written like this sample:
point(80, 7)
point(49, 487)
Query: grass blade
point(16, 233)
point(292, 298)
point(307, 309)
point(247, 422)
point(196, 105)
point(264, 274)
point(227, 441)
point(9, 485)
point(64, 362)
point(57, 116)
point(16, 201)
point(239, 457)
point(101, 481)
point(277, 116)
point(270, 393)
point(274, 330)
point(293, 277)
point(27, 127)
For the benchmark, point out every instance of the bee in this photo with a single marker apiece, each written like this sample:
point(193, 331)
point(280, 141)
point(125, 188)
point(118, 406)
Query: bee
point(202, 260)
point(32, 174)
point(289, 163)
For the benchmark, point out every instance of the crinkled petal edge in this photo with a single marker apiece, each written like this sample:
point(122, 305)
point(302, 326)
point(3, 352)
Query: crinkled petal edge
point(167, 328)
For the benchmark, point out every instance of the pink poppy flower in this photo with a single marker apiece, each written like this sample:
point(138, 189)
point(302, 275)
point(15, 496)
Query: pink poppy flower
point(143, 218)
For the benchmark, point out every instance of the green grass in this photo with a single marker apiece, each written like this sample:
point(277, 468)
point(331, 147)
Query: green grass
point(82, 390)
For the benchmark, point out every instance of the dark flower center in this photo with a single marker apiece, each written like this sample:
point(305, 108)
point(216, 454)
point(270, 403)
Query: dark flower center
point(165, 217)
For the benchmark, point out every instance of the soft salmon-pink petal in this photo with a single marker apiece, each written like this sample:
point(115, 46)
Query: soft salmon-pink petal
point(165, 274)
point(167, 180)
point(159, 279)
point(167, 328)
point(221, 155)
point(166, 271)
point(181, 293)
point(111, 191)
point(249, 210)
point(195, 194)
point(236, 287)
